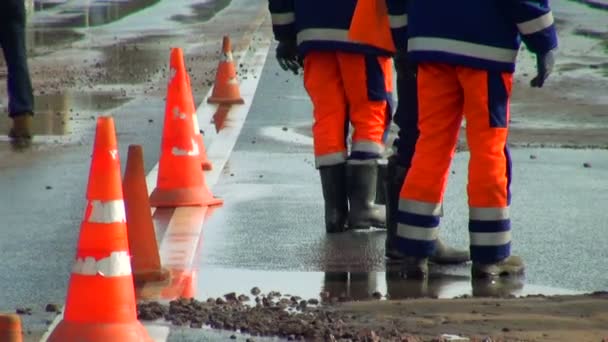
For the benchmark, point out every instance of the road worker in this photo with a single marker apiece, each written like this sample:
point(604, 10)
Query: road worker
point(19, 85)
point(348, 82)
point(366, 25)
point(465, 54)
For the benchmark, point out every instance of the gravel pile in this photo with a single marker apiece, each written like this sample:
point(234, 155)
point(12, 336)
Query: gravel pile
point(270, 314)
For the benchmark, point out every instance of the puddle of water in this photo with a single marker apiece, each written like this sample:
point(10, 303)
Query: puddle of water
point(216, 282)
point(55, 114)
point(41, 5)
point(98, 13)
point(51, 37)
point(202, 12)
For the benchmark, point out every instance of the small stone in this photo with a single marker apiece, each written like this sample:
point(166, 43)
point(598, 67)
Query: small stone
point(532, 156)
point(243, 298)
point(285, 129)
point(377, 295)
point(255, 291)
point(231, 297)
point(150, 120)
point(586, 165)
point(233, 337)
point(48, 187)
point(506, 329)
point(313, 301)
point(51, 308)
point(23, 311)
point(220, 301)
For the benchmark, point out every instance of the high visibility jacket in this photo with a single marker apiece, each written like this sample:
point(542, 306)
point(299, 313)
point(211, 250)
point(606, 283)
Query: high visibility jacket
point(482, 34)
point(323, 25)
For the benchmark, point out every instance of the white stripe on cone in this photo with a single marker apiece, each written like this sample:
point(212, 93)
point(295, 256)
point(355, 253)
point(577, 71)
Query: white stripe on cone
point(107, 212)
point(118, 264)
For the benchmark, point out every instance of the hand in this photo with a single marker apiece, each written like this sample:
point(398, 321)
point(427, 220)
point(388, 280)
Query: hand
point(287, 56)
point(544, 66)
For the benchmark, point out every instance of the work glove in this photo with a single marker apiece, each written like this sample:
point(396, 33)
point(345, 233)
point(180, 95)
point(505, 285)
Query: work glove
point(287, 56)
point(544, 67)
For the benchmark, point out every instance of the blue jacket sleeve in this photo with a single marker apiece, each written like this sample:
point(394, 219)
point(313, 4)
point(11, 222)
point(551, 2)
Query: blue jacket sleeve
point(534, 21)
point(283, 19)
point(397, 13)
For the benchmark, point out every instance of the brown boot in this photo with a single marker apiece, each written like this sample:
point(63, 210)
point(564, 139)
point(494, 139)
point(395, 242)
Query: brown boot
point(509, 266)
point(21, 132)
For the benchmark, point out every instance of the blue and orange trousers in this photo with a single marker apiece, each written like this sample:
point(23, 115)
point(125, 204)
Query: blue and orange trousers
point(444, 95)
point(348, 89)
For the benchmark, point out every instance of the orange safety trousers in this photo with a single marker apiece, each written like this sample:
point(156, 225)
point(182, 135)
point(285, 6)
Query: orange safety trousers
point(348, 88)
point(446, 94)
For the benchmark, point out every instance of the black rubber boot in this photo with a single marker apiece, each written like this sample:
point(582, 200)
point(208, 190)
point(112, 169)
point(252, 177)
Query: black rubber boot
point(333, 181)
point(362, 181)
point(380, 185)
point(395, 175)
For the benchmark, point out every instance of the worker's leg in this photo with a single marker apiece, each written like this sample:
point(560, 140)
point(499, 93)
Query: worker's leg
point(323, 82)
point(439, 118)
point(486, 108)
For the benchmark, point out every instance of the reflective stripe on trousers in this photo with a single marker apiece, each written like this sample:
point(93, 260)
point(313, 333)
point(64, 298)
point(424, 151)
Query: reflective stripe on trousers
point(445, 94)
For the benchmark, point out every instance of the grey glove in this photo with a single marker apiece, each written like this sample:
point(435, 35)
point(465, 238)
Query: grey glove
point(287, 55)
point(544, 66)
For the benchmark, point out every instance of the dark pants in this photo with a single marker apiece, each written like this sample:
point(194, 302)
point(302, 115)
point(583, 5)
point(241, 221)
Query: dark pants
point(12, 40)
point(406, 115)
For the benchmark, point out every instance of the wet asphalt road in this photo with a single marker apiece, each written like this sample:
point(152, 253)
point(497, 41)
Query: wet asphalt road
point(270, 232)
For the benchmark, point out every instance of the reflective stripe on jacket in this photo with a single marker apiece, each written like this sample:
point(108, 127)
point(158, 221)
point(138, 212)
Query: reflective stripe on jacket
point(322, 25)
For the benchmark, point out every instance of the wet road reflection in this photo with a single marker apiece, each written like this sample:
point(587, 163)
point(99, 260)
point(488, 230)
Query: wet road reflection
point(89, 14)
point(56, 113)
point(345, 286)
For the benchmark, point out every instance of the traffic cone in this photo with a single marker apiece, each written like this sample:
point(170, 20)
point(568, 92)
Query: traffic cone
point(145, 259)
point(226, 87)
point(10, 328)
point(100, 304)
point(180, 180)
point(190, 107)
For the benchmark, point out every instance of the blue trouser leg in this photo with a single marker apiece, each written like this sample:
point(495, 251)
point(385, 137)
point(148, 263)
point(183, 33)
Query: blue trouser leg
point(406, 115)
point(12, 40)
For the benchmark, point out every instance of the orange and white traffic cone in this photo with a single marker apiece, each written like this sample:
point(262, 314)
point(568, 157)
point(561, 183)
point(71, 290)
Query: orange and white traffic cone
point(226, 87)
point(100, 303)
point(180, 181)
point(145, 259)
point(10, 328)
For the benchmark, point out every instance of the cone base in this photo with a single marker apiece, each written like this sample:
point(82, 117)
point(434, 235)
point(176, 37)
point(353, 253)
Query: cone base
point(225, 100)
point(150, 275)
point(192, 197)
point(102, 332)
